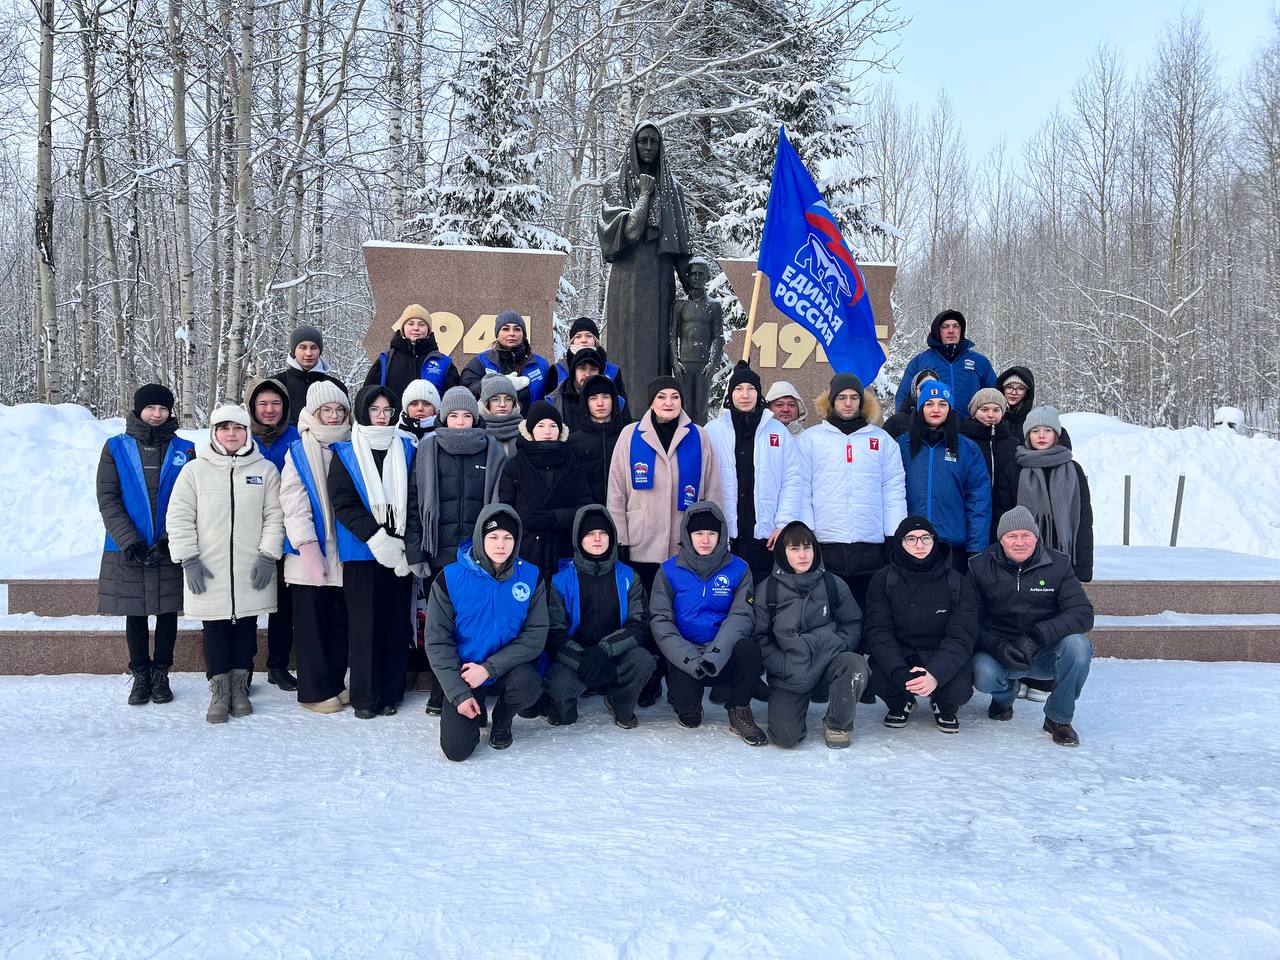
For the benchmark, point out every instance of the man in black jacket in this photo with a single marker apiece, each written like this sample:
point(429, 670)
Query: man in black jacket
point(305, 367)
point(1033, 615)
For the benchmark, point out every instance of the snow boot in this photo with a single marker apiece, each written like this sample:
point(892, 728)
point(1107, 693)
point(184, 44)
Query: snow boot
point(500, 726)
point(743, 723)
point(281, 678)
point(946, 722)
point(240, 705)
point(161, 692)
point(332, 705)
point(390, 710)
point(997, 712)
point(140, 692)
point(435, 699)
point(1063, 734)
point(691, 719)
point(363, 713)
point(625, 722)
point(836, 739)
point(561, 717)
point(344, 696)
point(220, 701)
point(897, 717)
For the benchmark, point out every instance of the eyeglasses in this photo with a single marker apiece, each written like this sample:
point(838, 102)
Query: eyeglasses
point(924, 540)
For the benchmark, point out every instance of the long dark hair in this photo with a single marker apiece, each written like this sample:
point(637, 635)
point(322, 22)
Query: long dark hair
point(950, 431)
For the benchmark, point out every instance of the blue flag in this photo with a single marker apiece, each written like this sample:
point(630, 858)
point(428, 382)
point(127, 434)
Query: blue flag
point(812, 276)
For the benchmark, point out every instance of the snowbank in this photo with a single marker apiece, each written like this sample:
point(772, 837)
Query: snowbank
point(52, 529)
point(1232, 497)
point(146, 832)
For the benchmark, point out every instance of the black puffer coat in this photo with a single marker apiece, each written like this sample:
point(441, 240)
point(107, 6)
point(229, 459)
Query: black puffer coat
point(1041, 599)
point(996, 443)
point(547, 486)
point(920, 614)
point(1016, 416)
point(592, 443)
point(404, 365)
point(127, 589)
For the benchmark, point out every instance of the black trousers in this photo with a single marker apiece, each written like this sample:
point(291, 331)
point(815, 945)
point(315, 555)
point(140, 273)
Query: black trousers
point(378, 630)
point(136, 635)
point(741, 674)
point(633, 670)
point(280, 624)
point(518, 689)
point(949, 696)
point(855, 564)
point(320, 638)
point(229, 645)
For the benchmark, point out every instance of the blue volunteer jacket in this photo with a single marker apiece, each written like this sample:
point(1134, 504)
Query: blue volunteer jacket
point(435, 369)
point(308, 478)
point(952, 492)
point(535, 369)
point(566, 583)
point(701, 605)
point(487, 613)
point(351, 547)
point(966, 375)
point(133, 485)
point(276, 450)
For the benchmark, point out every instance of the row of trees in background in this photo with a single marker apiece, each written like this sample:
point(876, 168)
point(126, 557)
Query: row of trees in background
point(1127, 253)
point(206, 171)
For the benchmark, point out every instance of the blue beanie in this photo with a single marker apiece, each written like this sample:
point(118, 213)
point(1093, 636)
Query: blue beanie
point(933, 390)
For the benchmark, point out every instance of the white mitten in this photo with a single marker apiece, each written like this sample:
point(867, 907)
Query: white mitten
point(387, 550)
point(519, 382)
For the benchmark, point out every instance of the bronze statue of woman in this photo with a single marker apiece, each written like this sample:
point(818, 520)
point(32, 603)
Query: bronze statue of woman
point(644, 234)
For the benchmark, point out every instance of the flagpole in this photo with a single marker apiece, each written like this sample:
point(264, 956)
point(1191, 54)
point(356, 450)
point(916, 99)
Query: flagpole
point(751, 317)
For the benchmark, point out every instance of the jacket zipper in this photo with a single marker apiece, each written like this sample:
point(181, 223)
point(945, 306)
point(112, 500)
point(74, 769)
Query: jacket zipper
point(929, 489)
point(231, 555)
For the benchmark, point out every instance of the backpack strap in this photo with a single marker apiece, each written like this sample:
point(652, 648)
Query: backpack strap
point(771, 598)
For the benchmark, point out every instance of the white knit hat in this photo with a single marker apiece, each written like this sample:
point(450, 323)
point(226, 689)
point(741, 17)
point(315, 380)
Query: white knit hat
point(326, 391)
point(420, 390)
point(229, 413)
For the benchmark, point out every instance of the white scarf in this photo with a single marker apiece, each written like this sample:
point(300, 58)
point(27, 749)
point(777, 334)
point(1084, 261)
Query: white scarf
point(388, 492)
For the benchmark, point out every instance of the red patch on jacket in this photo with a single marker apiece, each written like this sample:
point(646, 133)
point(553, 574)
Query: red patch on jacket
point(774, 440)
point(875, 442)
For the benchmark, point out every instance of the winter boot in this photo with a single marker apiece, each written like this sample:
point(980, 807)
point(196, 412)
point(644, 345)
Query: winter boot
point(500, 726)
point(1063, 734)
point(281, 677)
point(997, 712)
point(691, 719)
point(240, 705)
point(140, 692)
point(364, 713)
point(220, 701)
point(836, 739)
point(435, 699)
point(898, 716)
point(559, 716)
point(743, 723)
point(623, 721)
point(945, 720)
point(332, 705)
point(161, 692)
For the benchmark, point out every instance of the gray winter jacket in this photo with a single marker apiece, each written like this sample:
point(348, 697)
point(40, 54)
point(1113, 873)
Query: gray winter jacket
point(442, 647)
point(127, 589)
point(808, 627)
point(701, 661)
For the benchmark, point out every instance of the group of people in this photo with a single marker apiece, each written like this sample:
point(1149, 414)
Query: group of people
point(523, 534)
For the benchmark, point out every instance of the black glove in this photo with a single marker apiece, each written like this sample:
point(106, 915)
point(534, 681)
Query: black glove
point(1010, 653)
point(136, 554)
point(542, 521)
point(596, 669)
point(158, 555)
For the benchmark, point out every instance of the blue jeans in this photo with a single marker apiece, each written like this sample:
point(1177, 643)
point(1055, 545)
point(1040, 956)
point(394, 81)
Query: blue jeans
point(1066, 663)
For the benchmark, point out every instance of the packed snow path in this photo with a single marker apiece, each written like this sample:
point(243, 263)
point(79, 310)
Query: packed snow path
point(146, 832)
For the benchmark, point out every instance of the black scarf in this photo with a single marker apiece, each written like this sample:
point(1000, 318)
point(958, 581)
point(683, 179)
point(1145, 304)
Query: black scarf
point(846, 426)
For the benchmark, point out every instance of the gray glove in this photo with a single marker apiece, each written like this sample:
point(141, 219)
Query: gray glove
point(264, 568)
point(196, 573)
point(421, 570)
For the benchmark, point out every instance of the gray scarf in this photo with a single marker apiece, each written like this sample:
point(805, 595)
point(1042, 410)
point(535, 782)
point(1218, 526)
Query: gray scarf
point(1054, 500)
point(459, 442)
point(503, 427)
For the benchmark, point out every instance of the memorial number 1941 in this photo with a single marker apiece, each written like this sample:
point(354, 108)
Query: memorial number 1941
point(450, 328)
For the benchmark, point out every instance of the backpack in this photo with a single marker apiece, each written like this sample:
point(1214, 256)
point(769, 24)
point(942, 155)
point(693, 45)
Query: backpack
point(771, 594)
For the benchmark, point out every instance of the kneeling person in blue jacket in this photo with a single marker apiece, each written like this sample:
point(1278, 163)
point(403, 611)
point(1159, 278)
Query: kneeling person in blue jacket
point(486, 626)
point(599, 625)
point(702, 620)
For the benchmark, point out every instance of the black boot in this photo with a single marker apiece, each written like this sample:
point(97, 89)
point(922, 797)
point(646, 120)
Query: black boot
point(160, 689)
point(1063, 733)
point(140, 693)
point(500, 727)
point(282, 678)
point(743, 723)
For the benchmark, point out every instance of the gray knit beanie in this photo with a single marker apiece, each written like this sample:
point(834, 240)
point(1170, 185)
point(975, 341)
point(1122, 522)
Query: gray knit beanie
point(303, 333)
point(988, 395)
point(1045, 416)
point(457, 398)
point(495, 385)
point(1019, 518)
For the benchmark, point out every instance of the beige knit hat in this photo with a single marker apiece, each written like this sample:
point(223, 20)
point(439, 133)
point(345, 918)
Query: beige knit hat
point(411, 311)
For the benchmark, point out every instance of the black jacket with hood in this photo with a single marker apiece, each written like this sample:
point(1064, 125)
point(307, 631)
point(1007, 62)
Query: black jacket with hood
point(592, 443)
point(1015, 417)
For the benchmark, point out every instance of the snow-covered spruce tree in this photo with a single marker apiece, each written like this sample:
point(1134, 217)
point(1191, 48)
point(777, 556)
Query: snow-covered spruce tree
point(490, 195)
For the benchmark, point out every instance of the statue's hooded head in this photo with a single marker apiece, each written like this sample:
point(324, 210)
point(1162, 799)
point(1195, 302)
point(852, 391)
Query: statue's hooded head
point(647, 145)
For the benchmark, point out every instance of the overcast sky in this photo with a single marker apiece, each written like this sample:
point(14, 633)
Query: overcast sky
point(1006, 63)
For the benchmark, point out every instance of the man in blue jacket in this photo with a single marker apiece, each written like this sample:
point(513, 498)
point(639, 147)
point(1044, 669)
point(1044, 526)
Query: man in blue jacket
point(947, 479)
point(951, 354)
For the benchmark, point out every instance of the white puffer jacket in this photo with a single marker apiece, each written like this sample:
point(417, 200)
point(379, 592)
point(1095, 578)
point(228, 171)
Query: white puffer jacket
point(856, 486)
point(779, 482)
point(226, 510)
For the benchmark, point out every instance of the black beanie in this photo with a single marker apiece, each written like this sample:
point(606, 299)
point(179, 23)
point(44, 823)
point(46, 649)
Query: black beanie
point(584, 324)
point(542, 411)
point(599, 384)
point(842, 382)
point(502, 520)
point(704, 520)
point(150, 394)
point(594, 517)
point(914, 523)
point(304, 333)
point(742, 373)
point(587, 355)
point(658, 384)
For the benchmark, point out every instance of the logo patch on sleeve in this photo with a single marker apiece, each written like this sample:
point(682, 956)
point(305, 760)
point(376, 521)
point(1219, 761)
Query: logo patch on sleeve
point(875, 442)
point(774, 440)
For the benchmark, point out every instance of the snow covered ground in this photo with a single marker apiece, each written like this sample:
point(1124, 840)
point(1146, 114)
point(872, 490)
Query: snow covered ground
point(1232, 500)
point(145, 832)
